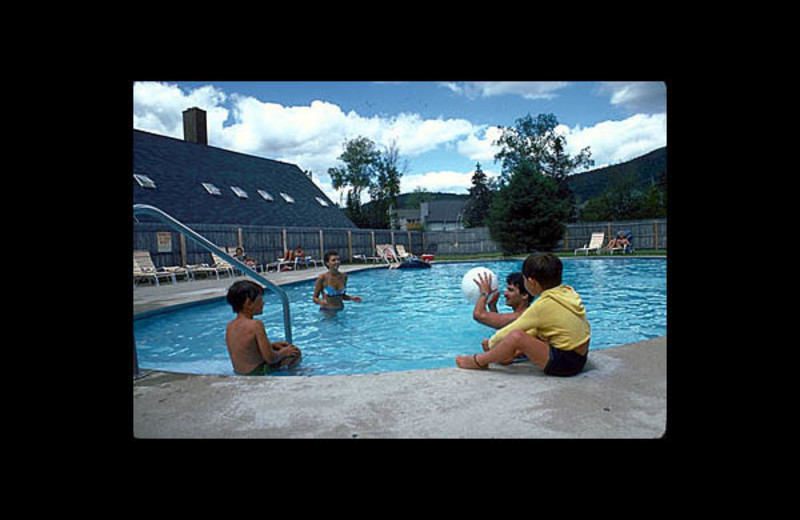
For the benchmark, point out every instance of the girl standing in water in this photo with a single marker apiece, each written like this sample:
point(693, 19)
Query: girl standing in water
point(331, 286)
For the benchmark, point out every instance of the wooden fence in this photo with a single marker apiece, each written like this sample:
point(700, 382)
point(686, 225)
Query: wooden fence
point(266, 244)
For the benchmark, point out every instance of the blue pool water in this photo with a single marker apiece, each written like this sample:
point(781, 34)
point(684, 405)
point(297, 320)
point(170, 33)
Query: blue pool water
point(410, 319)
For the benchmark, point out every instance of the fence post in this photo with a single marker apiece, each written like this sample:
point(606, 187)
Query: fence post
point(283, 234)
point(655, 234)
point(321, 247)
point(183, 248)
point(239, 236)
point(350, 245)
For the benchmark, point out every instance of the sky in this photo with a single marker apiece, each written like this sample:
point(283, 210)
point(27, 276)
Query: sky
point(442, 129)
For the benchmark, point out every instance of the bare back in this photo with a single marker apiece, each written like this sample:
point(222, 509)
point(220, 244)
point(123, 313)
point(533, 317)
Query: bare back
point(241, 337)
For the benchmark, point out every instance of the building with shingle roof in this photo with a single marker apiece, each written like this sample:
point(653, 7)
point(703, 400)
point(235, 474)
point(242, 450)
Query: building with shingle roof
point(201, 184)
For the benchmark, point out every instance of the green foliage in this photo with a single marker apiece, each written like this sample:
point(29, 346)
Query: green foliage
point(366, 167)
point(626, 199)
point(535, 140)
point(533, 201)
point(527, 214)
point(476, 211)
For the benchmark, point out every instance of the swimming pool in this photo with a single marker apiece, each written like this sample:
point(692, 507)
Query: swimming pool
point(410, 319)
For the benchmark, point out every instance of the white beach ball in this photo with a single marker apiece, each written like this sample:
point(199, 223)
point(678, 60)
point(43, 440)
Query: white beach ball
point(468, 286)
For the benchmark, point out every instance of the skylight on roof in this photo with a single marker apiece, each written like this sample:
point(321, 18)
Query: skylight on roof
point(211, 189)
point(239, 192)
point(287, 198)
point(144, 181)
point(322, 202)
point(266, 196)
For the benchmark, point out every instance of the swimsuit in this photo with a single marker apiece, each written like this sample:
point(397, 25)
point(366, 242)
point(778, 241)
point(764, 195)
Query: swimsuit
point(330, 291)
point(264, 369)
point(564, 363)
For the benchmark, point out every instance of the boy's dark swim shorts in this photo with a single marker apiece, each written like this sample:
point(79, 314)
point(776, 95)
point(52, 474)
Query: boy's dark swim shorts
point(564, 363)
point(264, 369)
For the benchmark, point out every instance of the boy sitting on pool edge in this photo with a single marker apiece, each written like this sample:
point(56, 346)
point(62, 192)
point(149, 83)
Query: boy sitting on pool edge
point(553, 332)
point(251, 352)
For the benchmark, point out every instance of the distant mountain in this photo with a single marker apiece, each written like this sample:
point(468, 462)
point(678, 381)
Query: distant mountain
point(644, 169)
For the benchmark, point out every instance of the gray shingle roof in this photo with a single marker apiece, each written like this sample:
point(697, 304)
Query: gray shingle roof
point(178, 168)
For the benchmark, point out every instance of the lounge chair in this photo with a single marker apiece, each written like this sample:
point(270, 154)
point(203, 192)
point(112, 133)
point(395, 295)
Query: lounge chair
point(223, 265)
point(595, 244)
point(364, 258)
point(401, 251)
point(626, 249)
point(387, 253)
point(143, 267)
point(283, 262)
point(255, 267)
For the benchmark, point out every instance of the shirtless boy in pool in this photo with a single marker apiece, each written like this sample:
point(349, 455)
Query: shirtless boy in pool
point(250, 350)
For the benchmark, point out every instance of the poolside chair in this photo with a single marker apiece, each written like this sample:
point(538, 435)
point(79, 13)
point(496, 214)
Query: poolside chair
point(143, 267)
point(364, 258)
point(387, 253)
point(283, 262)
point(629, 248)
point(401, 251)
point(223, 265)
point(595, 244)
point(626, 249)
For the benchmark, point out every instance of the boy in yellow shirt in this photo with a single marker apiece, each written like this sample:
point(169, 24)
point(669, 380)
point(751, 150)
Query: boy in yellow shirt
point(553, 332)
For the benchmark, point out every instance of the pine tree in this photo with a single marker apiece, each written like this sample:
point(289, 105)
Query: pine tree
point(476, 212)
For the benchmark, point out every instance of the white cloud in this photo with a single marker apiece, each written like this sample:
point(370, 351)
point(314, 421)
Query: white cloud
point(158, 107)
point(646, 97)
point(612, 142)
point(525, 89)
point(443, 181)
point(477, 147)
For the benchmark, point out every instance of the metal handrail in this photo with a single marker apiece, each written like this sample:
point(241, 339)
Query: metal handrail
point(144, 209)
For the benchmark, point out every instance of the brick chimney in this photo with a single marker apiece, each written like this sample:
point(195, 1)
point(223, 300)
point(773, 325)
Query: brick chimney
point(194, 126)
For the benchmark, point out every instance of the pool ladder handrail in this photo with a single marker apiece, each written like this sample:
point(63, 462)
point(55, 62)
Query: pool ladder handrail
point(145, 209)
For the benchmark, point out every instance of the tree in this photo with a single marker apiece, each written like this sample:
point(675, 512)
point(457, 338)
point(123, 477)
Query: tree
point(476, 211)
point(526, 214)
point(529, 210)
point(386, 186)
point(359, 158)
point(367, 168)
point(535, 140)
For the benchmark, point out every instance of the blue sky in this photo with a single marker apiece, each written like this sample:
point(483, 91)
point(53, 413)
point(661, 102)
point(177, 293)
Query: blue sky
point(441, 128)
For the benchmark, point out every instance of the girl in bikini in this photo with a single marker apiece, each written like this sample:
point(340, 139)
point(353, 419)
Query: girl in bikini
point(330, 289)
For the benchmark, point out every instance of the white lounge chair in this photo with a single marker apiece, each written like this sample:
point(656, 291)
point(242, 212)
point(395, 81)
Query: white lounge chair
point(143, 267)
point(223, 265)
point(401, 251)
point(595, 244)
point(387, 253)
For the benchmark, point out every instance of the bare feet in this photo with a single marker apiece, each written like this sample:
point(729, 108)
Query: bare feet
point(470, 363)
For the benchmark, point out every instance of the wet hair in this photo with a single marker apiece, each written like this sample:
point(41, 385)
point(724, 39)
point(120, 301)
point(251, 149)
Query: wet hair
point(545, 268)
point(518, 281)
point(241, 291)
point(329, 254)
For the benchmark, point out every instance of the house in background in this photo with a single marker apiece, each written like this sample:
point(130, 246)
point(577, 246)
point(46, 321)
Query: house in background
point(406, 219)
point(201, 184)
point(442, 215)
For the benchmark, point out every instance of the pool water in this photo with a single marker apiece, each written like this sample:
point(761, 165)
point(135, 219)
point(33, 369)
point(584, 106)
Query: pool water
point(409, 319)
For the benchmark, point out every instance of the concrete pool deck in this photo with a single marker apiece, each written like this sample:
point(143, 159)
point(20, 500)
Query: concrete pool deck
point(622, 393)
